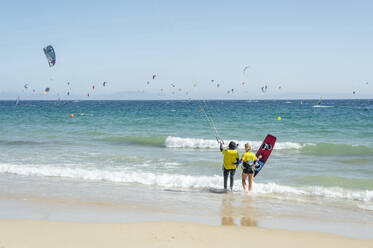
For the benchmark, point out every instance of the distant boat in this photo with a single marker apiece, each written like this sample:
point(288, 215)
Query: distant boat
point(17, 101)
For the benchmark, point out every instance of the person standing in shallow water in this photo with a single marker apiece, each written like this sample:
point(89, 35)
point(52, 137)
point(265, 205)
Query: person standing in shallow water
point(230, 162)
point(248, 163)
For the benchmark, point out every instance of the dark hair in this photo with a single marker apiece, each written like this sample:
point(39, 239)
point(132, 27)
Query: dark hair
point(232, 145)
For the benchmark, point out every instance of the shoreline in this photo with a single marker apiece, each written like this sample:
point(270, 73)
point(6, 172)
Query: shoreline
point(42, 233)
point(236, 210)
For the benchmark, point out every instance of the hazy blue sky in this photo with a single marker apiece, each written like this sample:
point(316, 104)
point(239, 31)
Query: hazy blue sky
point(310, 48)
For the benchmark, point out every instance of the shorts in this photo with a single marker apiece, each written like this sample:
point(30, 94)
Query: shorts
point(247, 170)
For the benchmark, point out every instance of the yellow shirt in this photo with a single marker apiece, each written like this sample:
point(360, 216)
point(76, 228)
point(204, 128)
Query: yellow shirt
point(247, 156)
point(230, 157)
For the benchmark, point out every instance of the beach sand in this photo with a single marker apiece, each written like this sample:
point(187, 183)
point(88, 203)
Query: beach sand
point(41, 233)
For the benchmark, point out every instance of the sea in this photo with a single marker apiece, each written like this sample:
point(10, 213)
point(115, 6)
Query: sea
point(159, 160)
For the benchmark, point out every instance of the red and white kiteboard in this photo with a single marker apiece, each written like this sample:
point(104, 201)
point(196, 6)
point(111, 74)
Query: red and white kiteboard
point(264, 150)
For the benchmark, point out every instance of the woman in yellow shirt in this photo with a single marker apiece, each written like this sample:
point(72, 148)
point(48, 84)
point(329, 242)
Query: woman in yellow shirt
point(248, 162)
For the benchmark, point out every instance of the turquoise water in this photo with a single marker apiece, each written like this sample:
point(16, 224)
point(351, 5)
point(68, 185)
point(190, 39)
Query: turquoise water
point(323, 155)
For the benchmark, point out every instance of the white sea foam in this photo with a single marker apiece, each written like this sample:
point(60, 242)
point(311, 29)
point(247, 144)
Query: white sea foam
point(322, 106)
point(177, 142)
point(188, 182)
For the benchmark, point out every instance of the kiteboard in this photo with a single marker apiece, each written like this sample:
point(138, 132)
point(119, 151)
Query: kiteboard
point(264, 150)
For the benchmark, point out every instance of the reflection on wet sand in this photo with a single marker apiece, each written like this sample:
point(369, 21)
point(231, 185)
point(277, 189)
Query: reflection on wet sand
point(243, 210)
point(227, 221)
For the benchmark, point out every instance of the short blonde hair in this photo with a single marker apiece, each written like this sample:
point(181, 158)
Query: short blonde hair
point(247, 145)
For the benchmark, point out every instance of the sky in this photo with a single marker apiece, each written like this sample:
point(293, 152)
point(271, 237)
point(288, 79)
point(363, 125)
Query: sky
point(311, 49)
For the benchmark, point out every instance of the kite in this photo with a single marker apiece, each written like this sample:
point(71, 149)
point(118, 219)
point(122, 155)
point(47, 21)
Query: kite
point(154, 76)
point(104, 84)
point(50, 54)
point(245, 68)
point(26, 86)
point(46, 90)
point(264, 88)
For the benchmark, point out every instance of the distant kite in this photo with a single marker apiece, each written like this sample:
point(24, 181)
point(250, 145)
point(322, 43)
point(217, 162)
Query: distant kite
point(50, 54)
point(245, 68)
point(104, 84)
point(264, 88)
point(26, 86)
point(46, 90)
point(154, 76)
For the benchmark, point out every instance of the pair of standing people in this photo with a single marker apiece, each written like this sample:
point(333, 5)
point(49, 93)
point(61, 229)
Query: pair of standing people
point(232, 160)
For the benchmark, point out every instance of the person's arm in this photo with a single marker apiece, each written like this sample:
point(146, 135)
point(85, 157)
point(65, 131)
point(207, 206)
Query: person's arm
point(238, 161)
point(257, 161)
point(221, 146)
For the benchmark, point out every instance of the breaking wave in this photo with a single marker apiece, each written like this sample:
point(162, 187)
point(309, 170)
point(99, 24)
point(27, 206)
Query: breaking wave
point(364, 197)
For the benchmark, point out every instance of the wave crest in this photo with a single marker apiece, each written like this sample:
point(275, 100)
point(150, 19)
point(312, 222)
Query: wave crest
point(365, 197)
point(177, 142)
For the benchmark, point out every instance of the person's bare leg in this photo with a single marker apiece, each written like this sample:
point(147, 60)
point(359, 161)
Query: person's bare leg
point(244, 176)
point(251, 176)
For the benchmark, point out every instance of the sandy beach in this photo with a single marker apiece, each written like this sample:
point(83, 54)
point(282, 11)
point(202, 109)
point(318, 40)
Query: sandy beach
point(37, 233)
